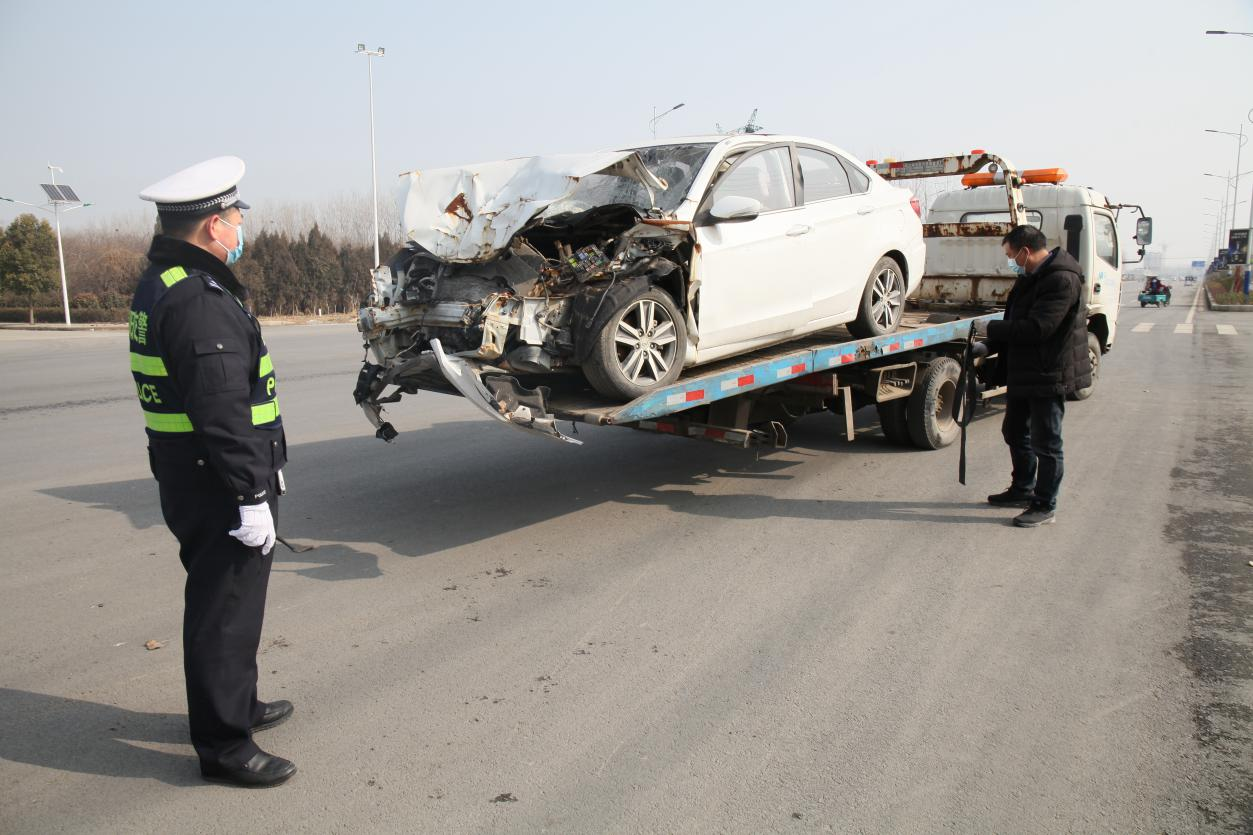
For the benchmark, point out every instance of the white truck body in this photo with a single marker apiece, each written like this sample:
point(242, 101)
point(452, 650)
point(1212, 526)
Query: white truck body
point(973, 270)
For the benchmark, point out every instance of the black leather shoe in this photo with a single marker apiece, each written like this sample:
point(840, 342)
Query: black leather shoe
point(262, 771)
point(276, 713)
point(1013, 497)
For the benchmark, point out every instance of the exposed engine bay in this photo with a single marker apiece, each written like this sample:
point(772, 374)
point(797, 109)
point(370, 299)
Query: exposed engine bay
point(533, 306)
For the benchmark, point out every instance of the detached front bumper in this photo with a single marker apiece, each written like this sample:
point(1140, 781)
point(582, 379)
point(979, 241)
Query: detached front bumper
point(493, 392)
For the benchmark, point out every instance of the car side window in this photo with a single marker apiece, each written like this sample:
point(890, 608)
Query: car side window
point(822, 175)
point(1106, 239)
point(766, 176)
point(859, 181)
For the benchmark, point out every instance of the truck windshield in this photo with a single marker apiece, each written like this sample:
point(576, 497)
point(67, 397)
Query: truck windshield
point(1034, 218)
point(676, 164)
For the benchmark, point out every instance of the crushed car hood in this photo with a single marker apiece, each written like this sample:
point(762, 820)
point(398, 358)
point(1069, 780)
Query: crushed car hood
point(466, 215)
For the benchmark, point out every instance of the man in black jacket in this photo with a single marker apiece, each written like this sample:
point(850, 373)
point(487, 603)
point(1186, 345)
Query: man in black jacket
point(1042, 348)
point(216, 446)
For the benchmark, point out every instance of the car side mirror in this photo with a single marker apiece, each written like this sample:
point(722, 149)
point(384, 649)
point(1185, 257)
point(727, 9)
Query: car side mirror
point(734, 207)
point(1144, 231)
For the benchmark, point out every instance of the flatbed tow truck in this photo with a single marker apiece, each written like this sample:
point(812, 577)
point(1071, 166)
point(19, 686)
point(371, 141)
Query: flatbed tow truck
point(910, 375)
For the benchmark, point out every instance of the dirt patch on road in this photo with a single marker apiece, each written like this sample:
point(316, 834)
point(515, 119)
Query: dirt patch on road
point(1213, 525)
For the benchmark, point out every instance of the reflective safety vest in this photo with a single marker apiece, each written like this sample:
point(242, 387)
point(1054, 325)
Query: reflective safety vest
point(164, 412)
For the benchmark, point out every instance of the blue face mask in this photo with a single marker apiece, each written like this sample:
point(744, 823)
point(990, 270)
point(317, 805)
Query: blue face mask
point(233, 255)
point(1014, 267)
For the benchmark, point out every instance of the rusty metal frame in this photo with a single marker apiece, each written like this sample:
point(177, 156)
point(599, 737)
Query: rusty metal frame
point(955, 166)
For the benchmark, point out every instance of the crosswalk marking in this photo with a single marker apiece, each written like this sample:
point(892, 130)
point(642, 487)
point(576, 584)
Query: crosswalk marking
point(1186, 328)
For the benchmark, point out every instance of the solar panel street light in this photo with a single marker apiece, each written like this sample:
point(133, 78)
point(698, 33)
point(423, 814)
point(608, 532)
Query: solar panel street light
point(61, 198)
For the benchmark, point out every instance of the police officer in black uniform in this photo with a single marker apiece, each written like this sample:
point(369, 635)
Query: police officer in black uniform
point(216, 446)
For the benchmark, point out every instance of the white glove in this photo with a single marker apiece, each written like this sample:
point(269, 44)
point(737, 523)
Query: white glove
point(256, 527)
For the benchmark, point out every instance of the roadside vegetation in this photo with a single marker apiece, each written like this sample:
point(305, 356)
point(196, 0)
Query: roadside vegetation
point(1226, 289)
point(298, 261)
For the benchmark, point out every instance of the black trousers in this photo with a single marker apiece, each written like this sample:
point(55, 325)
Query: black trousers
point(1033, 429)
point(224, 607)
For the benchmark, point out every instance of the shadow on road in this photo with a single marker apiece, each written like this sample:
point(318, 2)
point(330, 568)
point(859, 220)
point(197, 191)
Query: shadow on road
point(91, 738)
point(462, 482)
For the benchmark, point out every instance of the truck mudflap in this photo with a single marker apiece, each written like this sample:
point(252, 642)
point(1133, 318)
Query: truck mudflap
point(500, 395)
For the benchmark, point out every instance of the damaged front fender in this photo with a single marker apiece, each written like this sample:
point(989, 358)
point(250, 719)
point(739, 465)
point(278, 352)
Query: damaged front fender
point(500, 396)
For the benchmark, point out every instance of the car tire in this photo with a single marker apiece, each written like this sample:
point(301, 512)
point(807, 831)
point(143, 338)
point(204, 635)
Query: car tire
point(892, 420)
point(622, 365)
point(1094, 354)
point(882, 302)
point(1143, 304)
point(929, 414)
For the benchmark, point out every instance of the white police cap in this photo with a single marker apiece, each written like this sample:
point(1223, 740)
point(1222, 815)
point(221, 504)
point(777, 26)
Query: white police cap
point(204, 187)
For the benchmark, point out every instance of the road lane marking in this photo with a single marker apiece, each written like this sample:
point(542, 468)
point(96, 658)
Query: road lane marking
point(1192, 312)
point(1227, 330)
point(1143, 327)
point(1184, 328)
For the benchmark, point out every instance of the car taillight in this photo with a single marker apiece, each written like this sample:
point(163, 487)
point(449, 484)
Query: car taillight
point(916, 206)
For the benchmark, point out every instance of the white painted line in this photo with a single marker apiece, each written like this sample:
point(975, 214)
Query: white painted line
point(1143, 327)
point(1227, 330)
point(1184, 328)
point(1195, 301)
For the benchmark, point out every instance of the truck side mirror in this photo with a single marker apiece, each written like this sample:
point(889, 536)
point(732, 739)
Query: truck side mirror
point(1144, 231)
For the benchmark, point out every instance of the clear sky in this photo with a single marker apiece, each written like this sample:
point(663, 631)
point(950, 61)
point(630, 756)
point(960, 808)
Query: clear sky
point(122, 93)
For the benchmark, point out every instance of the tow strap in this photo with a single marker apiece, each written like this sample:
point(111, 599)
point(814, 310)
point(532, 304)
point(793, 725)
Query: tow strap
point(967, 393)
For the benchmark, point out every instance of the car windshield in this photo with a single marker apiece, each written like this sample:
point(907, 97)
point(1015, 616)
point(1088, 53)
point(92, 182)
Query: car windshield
point(676, 164)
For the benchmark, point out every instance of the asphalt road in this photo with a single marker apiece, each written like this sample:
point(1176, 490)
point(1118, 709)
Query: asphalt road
point(498, 633)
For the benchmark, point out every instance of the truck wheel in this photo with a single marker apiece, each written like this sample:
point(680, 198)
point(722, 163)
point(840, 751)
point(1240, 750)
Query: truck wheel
point(1143, 304)
point(892, 421)
point(929, 414)
point(882, 302)
point(1094, 355)
point(640, 348)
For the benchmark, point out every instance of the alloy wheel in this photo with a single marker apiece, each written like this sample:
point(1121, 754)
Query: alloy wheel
point(887, 298)
point(645, 342)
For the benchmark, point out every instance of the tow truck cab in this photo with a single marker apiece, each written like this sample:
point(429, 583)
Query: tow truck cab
point(973, 270)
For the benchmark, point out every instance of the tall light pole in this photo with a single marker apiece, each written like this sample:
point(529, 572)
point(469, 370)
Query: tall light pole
point(374, 177)
point(652, 123)
point(1226, 198)
point(60, 197)
point(1239, 147)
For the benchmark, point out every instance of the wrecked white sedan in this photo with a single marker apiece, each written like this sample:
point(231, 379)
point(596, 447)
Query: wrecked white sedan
point(626, 267)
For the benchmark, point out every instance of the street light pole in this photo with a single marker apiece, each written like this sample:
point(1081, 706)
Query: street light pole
point(652, 123)
point(1239, 148)
point(59, 195)
point(1229, 222)
point(374, 177)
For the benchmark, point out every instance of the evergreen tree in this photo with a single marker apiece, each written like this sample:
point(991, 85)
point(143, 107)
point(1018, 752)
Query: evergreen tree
point(28, 258)
point(323, 274)
point(356, 262)
point(251, 272)
point(287, 290)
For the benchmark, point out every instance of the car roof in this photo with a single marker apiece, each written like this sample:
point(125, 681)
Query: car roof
point(728, 139)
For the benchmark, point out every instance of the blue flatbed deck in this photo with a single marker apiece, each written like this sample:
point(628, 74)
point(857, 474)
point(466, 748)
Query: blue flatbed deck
point(821, 352)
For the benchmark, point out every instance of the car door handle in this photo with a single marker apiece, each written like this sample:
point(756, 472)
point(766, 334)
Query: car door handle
point(799, 229)
point(865, 210)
